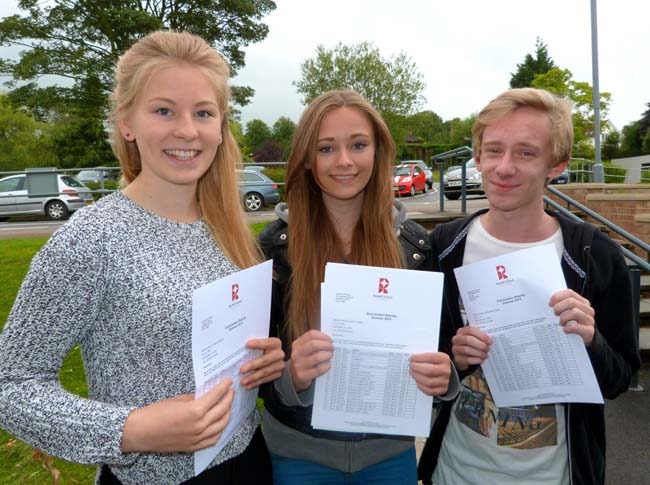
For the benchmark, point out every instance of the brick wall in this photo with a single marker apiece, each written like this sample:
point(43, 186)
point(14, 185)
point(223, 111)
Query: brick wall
point(626, 205)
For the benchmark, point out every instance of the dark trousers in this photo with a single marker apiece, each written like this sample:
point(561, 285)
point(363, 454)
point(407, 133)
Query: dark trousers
point(252, 467)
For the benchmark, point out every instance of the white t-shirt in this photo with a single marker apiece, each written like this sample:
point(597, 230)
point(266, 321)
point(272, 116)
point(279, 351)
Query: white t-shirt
point(490, 445)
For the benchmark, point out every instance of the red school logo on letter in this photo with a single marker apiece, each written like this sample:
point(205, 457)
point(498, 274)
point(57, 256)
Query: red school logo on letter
point(501, 272)
point(235, 291)
point(383, 286)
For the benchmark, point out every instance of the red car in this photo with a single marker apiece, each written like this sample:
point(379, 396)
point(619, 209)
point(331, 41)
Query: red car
point(409, 179)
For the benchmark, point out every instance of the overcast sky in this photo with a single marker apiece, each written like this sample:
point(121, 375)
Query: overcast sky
point(466, 49)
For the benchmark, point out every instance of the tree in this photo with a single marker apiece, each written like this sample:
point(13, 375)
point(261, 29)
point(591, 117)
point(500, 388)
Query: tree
point(24, 141)
point(283, 130)
point(257, 132)
point(80, 41)
point(531, 67)
point(560, 82)
point(391, 85)
point(460, 131)
point(631, 144)
point(269, 151)
point(428, 126)
point(610, 148)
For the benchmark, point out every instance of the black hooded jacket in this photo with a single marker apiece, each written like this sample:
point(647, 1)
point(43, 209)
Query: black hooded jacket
point(593, 266)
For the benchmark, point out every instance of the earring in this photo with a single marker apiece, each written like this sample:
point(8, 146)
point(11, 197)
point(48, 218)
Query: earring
point(129, 137)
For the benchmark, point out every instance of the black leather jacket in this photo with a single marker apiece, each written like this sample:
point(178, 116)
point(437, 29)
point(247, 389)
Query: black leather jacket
point(273, 240)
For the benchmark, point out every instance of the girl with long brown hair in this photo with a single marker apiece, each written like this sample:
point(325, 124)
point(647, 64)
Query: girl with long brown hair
point(339, 208)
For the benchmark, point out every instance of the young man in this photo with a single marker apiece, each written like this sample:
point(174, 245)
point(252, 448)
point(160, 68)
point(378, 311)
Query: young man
point(522, 139)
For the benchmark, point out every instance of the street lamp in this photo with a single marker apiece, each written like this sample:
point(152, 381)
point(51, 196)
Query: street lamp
point(599, 172)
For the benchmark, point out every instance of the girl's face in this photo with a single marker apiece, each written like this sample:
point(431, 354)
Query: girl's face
point(345, 154)
point(176, 124)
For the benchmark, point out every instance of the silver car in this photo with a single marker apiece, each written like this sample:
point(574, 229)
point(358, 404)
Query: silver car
point(453, 181)
point(257, 190)
point(15, 200)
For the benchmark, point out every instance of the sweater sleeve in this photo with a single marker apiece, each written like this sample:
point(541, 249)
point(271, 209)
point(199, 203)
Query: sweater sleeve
point(614, 351)
point(57, 304)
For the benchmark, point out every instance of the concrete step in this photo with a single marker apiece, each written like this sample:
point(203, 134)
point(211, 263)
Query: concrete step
point(624, 243)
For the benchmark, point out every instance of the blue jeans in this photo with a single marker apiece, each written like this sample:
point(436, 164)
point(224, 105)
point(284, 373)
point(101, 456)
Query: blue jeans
point(399, 470)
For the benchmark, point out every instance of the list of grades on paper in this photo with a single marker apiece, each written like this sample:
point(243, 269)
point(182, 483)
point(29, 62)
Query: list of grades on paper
point(531, 360)
point(377, 318)
point(225, 315)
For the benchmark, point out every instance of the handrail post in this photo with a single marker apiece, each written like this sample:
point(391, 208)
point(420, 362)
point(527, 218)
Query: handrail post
point(441, 169)
point(635, 279)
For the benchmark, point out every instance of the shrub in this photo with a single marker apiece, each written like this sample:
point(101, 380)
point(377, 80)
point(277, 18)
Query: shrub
point(277, 174)
point(614, 173)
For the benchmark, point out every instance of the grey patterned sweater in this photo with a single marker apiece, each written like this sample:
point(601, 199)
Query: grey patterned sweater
point(118, 281)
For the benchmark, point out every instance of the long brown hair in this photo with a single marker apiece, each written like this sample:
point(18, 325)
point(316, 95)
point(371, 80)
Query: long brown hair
point(312, 238)
point(217, 191)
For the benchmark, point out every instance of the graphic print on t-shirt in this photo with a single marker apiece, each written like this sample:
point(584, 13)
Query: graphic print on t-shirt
point(524, 427)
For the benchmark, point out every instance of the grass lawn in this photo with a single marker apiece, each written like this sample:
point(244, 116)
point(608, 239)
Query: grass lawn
point(20, 463)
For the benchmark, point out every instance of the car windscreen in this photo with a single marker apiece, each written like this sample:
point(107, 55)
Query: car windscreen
point(70, 181)
point(402, 171)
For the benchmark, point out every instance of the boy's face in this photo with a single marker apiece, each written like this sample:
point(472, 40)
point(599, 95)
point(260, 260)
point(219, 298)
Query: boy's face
point(516, 160)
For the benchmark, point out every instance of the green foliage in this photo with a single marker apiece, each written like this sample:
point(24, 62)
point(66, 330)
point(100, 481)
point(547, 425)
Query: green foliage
point(277, 173)
point(531, 67)
point(282, 133)
point(645, 176)
point(560, 82)
point(238, 134)
point(257, 132)
point(93, 152)
point(428, 126)
point(460, 131)
point(614, 173)
point(391, 85)
point(24, 141)
point(610, 148)
point(631, 140)
point(581, 170)
point(79, 41)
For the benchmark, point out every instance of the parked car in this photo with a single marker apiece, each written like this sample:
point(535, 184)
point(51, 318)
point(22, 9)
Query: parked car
point(15, 201)
point(423, 166)
point(563, 178)
point(257, 190)
point(96, 175)
point(409, 179)
point(453, 180)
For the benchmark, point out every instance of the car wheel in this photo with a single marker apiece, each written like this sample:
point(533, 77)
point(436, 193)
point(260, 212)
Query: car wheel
point(452, 196)
point(412, 191)
point(253, 201)
point(56, 210)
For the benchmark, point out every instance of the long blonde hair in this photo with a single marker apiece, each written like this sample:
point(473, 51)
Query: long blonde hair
point(313, 240)
point(217, 192)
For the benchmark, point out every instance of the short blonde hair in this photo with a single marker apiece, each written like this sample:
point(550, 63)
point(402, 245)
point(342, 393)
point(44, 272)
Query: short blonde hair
point(558, 110)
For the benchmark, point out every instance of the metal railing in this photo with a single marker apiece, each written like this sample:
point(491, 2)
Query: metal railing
point(633, 270)
point(632, 239)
